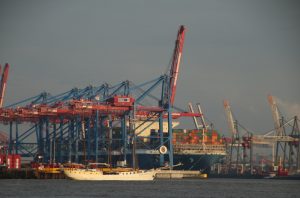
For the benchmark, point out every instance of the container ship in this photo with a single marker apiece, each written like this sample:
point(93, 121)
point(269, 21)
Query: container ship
point(193, 150)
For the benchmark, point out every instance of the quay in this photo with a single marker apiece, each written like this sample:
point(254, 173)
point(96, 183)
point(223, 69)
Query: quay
point(31, 173)
point(180, 174)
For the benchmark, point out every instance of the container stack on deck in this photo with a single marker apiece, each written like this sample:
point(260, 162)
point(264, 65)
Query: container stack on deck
point(185, 136)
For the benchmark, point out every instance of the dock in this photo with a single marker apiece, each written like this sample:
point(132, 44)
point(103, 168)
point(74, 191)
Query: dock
point(179, 174)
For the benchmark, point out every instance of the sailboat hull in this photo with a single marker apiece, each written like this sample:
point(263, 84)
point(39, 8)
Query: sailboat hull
point(96, 175)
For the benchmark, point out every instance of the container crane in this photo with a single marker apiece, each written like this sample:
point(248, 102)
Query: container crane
point(230, 120)
point(194, 117)
point(204, 127)
point(278, 124)
point(235, 144)
point(201, 116)
point(275, 114)
point(64, 117)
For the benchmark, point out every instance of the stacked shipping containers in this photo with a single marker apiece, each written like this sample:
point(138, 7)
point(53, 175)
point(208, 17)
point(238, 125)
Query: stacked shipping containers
point(183, 136)
point(11, 161)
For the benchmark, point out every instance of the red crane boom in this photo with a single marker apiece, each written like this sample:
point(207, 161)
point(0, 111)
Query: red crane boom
point(176, 62)
point(3, 83)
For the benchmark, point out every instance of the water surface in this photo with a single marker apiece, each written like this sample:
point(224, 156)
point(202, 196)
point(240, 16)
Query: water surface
point(255, 188)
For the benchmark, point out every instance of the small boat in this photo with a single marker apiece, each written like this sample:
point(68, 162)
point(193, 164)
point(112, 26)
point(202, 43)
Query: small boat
point(270, 175)
point(109, 174)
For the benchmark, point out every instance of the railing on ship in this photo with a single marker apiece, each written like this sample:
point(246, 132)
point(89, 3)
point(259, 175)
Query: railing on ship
point(200, 149)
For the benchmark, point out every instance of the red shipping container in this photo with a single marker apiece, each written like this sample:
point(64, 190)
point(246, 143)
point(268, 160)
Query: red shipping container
point(2, 159)
point(214, 133)
point(193, 141)
point(17, 161)
point(122, 100)
point(196, 138)
point(13, 161)
point(9, 161)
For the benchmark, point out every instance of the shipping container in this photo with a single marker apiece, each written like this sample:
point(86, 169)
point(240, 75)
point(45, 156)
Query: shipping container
point(2, 159)
point(193, 141)
point(12, 161)
point(121, 100)
point(17, 161)
point(9, 161)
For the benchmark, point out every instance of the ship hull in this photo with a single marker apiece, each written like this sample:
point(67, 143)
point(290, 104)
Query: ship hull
point(199, 162)
point(184, 162)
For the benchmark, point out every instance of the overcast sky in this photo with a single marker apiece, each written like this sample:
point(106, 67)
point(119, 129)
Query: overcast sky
point(234, 49)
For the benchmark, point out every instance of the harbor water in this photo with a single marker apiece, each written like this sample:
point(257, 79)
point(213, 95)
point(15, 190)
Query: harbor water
point(158, 188)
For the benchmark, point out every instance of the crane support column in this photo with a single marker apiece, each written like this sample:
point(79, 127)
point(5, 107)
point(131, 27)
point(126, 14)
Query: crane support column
point(251, 153)
point(41, 140)
point(54, 143)
point(161, 138)
point(124, 137)
point(36, 128)
point(17, 139)
point(170, 132)
point(70, 139)
point(60, 154)
point(47, 146)
point(88, 138)
point(161, 121)
point(78, 127)
point(96, 134)
point(10, 138)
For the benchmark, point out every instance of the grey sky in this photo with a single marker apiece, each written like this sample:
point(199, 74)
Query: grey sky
point(235, 49)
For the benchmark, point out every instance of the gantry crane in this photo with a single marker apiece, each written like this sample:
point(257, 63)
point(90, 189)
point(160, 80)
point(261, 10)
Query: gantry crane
point(74, 124)
point(236, 142)
point(170, 89)
point(280, 131)
point(282, 140)
point(204, 127)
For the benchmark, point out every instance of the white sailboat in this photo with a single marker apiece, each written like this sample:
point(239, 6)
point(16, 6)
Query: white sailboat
point(105, 173)
point(100, 175)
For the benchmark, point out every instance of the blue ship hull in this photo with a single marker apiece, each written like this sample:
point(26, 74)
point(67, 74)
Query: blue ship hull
point(188, 162)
